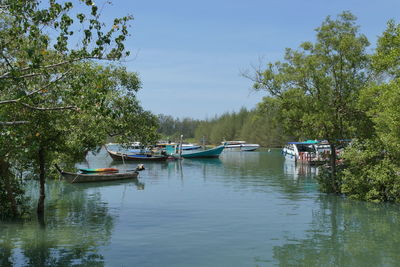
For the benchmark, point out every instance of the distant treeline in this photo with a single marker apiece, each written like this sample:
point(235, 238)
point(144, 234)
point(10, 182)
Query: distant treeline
point(252, 126)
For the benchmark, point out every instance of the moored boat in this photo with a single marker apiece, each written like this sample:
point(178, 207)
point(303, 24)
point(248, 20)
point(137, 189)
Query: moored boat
point(72, 177)
point(209, 153)
point(310, 151)
point(136, 157)
point(239, 146)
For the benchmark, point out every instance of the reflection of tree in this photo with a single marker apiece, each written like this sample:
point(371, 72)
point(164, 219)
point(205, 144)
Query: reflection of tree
point(263, 171)
point(6, 248)
point(77, 224)
point(346, 233)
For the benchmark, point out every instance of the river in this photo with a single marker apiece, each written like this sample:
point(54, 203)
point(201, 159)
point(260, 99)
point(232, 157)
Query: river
point(244, 209)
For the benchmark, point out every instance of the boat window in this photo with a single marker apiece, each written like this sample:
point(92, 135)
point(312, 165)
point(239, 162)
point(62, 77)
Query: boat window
point(306, 148)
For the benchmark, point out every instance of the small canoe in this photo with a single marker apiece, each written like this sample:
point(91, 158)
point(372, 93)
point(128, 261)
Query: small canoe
point(137, 157)
point(99, 170)
point(72, 177)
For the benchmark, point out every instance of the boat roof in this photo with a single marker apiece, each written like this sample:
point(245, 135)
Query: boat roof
point(308, 142)
point(320, 142)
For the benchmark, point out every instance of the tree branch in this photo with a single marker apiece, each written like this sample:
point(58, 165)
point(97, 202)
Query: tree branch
point(52, 108)
point(10, 123)
point(12, 101)
point(55, 65)
point(8, 101)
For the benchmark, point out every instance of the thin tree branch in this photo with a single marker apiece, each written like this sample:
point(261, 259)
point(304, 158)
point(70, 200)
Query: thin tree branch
point(13, 101)
point(52, 108)
point(7, 74)
point(10, 123)
point(49, 84)
point(8, 101)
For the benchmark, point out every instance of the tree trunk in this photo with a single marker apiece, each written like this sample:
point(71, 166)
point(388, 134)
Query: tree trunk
point(42, 181)
point(333, 169)
point(6, 176)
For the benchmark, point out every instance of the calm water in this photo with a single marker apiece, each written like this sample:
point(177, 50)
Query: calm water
point(244, 209)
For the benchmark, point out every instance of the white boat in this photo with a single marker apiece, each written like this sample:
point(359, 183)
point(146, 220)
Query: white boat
point(312, 152)
point(190, 146)
point(239, 146)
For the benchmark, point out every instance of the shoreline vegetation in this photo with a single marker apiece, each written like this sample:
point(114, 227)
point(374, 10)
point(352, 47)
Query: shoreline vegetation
point(61, 96)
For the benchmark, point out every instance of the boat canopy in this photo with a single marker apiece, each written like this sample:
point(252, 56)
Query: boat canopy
point(308, 142)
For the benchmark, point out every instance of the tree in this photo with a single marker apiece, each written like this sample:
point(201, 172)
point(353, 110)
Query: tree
point(52, 102)
point(38, 46)
point(318, 85)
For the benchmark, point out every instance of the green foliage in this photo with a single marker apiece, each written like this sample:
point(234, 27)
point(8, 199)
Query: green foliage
point(329, 183)
point(317, 86)
point(21, 200)
point(171, 129)
point(37, 48)
point(371, 173)
point(256, 126)
point(372, 166)
point(386, 58)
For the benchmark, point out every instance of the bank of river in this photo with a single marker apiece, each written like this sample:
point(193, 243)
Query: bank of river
point(244, 209)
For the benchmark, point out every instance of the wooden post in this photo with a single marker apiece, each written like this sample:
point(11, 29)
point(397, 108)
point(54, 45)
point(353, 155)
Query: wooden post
point(180, 146)
point(42, 181)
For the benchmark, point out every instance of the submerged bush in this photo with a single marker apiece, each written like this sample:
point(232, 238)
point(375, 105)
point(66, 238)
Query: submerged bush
point(326, 182)
point(371, 173)
point(17, 196)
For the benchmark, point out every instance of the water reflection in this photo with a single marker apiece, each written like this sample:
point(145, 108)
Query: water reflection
point(299, 170)
point(346, 233)
point(78, 224)
point(131, 183)
point(243, 209)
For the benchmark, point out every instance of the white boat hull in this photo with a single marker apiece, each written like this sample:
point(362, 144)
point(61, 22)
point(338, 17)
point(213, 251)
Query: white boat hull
point(242, 147)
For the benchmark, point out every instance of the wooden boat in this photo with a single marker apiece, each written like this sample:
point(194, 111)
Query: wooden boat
point(137, 157)
point(209, 153)
point(72, 177)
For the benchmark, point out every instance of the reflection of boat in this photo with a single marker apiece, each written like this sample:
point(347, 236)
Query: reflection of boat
point(239, 146)
point(209, 153)
point(203, 162)
point(128, 182)
point(96, 177)
point(290, 168)
point(137, 157)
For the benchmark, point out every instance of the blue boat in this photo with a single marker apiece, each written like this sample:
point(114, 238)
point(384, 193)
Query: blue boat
point(209, 153)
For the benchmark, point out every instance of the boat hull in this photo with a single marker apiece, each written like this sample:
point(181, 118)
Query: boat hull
point(210, 153)
point(99, 170)
point(241, 146)
point(125, 157)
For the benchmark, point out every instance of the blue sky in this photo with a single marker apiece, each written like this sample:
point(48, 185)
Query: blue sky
point(189, 54)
